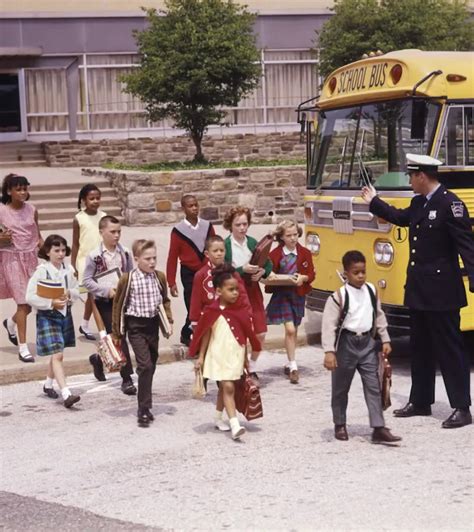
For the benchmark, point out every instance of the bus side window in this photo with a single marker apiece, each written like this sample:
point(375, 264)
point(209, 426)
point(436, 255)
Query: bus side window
point(469, 135)
point(457, 146)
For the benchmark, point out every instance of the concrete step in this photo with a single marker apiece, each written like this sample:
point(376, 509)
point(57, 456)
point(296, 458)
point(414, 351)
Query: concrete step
point(62, 223)
point(70, 187)
point(19, 152)
point(47, 213)
point(69, 203)
point(22, 164)
point(39, 194)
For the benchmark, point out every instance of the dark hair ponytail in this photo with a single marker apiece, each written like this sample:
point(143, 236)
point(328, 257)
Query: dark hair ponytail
point(222, 273)
point(90, 187)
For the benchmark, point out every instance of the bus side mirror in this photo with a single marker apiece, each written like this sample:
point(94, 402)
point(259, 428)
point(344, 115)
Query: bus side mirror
point(419, 114)
point(302, 122)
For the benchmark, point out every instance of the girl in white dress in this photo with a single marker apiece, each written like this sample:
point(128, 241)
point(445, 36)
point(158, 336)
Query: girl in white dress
point(221, 337)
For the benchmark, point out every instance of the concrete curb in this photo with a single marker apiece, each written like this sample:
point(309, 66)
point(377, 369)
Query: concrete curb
point(13, 373)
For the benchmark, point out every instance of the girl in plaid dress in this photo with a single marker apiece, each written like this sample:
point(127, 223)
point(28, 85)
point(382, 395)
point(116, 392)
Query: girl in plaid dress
point(287, 302)
point(54, 325)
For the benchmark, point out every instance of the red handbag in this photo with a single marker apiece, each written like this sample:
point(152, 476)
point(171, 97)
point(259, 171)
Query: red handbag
point(247, 398)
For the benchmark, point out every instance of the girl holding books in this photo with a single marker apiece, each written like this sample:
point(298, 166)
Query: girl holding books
point(54, 325)
point(220, 338)
point(287, 302)
point(85, 239)
point(239, 248)
point(19, 241)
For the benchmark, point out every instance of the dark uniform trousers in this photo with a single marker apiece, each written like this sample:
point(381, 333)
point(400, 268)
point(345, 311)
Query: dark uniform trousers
point(104, 306)
point(187, 278)
point(356, 353)
point(435, 336)
point(440, 231)
point(143, 337)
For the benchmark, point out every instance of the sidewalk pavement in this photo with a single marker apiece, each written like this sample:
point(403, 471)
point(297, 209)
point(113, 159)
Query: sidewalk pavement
point(77, 359)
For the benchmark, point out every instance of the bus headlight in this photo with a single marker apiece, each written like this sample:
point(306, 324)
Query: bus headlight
point(313, 243)
point(383, 252)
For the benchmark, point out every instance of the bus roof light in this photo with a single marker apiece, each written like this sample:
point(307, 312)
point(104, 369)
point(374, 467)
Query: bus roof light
point(332, 84)
point(396, 73)
point(455, 77)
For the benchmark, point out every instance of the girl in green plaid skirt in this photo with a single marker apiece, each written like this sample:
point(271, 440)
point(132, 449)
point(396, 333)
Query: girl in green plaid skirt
point(54, 325)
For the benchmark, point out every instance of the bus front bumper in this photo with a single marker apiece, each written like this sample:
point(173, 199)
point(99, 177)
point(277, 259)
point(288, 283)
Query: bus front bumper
point(398, 317)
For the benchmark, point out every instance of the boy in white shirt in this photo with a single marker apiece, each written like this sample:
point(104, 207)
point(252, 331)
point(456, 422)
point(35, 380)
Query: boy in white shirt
point(352, 319)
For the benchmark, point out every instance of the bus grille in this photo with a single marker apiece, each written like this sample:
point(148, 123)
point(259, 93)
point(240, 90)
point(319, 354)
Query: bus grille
point(344, 216)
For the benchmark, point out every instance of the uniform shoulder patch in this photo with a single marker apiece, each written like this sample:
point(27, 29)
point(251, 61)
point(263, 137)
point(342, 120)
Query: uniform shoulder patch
point(457, 207)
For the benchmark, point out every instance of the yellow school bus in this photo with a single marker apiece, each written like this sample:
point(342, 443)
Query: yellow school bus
point(370, 114)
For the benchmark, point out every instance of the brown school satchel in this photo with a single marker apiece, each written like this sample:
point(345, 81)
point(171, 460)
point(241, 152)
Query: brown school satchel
point(247, 398)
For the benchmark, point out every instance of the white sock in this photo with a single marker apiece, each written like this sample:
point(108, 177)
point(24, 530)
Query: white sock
point(11, 326)
point(234, 424)
point(292, 365)
point(252, 366)
point(218, 415)
point(66, 392)
point(23, 349)
point(85, 325)
point(48, 383)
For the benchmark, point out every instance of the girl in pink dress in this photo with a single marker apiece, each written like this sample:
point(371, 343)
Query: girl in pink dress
point(19, 241)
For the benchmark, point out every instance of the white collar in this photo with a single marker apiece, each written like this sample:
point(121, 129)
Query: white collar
point(234, 241)
point(431, 194)
point(287, 251)
point(190, 225)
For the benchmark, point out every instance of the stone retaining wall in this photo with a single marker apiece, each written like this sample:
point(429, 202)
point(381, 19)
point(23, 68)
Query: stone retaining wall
point(151, 150)
point(149, 198)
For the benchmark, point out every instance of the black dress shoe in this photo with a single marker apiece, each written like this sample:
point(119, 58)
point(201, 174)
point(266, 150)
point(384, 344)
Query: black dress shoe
point(71, 400)
point(459, 418)
point(98, 367)
point(50, 392)
point(88, 335)
point(143, 420)
point(148, 414)
point(128, 388)
point(340, 433)
point(12, 337)
point(185, 341)
point(410, 410)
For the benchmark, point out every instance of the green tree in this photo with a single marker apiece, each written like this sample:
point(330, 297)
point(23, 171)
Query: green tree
point(196, 56)
point(362, 26)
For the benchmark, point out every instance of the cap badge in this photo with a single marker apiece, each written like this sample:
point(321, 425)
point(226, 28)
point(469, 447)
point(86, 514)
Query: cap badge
point(432, 215)
point(458, 209)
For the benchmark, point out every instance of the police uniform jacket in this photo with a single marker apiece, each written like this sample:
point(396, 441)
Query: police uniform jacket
point(440, 231)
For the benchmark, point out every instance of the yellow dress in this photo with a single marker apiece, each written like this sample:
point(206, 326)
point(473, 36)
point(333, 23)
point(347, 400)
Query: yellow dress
point(225, 356)
point(89, 238)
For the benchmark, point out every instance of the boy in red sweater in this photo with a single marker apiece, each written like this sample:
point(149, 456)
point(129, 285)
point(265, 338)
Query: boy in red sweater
point(203, 291)
point(187, 245)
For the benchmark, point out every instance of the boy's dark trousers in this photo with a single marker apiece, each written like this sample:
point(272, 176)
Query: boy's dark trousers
point(143, 337)
point(104, 306)
point(357, 353)
point(187, 278)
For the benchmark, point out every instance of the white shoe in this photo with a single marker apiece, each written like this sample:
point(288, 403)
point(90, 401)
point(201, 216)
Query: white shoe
point(237, 432)
point(221, 425)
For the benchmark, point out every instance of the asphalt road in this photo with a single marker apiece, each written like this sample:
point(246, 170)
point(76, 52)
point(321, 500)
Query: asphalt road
point(92, 467)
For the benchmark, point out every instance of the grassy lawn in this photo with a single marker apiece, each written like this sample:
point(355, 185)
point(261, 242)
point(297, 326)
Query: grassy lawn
point(190, 165)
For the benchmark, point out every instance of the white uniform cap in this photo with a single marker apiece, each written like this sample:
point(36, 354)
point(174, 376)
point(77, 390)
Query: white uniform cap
point(421, 163)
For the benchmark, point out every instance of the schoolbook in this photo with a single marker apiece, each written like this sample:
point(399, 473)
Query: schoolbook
point(164, 323)
point(49, 289)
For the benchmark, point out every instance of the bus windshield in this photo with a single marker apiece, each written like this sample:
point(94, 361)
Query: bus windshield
point(371, 139)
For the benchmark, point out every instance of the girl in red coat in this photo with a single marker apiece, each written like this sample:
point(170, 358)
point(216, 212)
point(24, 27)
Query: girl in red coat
point(220, 338)
point(287, 302)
